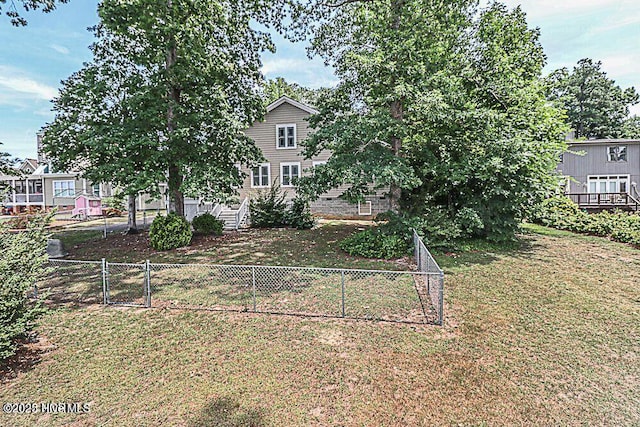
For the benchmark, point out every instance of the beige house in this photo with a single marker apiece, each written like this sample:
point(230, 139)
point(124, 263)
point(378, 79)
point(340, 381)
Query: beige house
point(279, 136)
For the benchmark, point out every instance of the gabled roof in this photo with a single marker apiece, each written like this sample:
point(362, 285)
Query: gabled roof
point(300, 105)
point(30, 164)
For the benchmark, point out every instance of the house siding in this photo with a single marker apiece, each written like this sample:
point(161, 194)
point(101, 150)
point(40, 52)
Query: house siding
point(591, 159)
point(264, 133)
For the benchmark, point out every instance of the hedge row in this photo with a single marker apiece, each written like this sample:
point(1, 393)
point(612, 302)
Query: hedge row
point(564, 214)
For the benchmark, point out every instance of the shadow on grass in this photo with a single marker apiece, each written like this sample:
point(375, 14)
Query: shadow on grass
point(28, 355)
point(226, 412)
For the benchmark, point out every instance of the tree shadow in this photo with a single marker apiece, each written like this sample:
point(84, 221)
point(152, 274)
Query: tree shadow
point(28, 355)
point(226, 412)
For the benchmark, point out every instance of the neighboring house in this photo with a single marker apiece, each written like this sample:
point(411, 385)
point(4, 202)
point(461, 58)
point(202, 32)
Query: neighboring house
point(279, 136)
point(602, 173)
point(36, 185)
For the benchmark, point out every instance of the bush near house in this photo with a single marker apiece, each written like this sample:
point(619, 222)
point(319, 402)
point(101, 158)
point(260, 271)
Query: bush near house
point(169, 232)
point(562, 213)
point(268, 209)
point(22, 264)
point(207, 224)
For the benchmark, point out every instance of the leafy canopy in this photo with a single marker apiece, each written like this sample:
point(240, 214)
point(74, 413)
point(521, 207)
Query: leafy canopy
point(595, 105)
point(440, 101)
point(171, 88)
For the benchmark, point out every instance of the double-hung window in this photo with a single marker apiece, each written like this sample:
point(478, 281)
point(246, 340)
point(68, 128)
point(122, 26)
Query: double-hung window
point(289, 171)
point(286, 136)
point(64, 188)
point(261, 175)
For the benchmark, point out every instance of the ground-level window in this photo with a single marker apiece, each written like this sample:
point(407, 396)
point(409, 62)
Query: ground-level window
point(364, 208)
point(261, 175)
point(64, 188)
point(617, 153)
point(286, 136)
point(608, 184)
point(289, 171)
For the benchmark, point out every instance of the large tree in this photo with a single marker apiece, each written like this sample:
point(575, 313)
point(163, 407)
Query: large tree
point(440, 104)
point(13, 8)
point(275, 88)
point(172, 86)
point(595, 105)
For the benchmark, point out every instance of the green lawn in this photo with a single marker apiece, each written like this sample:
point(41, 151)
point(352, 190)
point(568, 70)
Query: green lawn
point(544, 333)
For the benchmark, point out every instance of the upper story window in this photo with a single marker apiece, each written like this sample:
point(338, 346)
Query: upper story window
point(286, 136)
point(617, 153)
point(64, 188)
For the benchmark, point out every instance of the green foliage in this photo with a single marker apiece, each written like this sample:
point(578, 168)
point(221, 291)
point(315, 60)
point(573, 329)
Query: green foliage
point(299, 214)
point(166, 98)
point(22, 263)
point(562, 213)
point(445, 105)
point(207, 224)
point(275, 88)
point(631, 128)
point(375, 243)
point(268, 207)
point(596, 106)
point(169, 232)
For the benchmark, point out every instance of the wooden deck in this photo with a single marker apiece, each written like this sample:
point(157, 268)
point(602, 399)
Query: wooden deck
point(605, 201)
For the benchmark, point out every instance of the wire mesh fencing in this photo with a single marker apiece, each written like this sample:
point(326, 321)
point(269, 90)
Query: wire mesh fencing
point(73, 282)
point(433, 284)
point(399, 296)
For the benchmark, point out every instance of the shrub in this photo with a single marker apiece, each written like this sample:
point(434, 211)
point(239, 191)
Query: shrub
point(299, 215)
point(375, 243)
point(22, 264)
point(267, 208)
point(207, 224)
point(562, 213)
point(169, 232)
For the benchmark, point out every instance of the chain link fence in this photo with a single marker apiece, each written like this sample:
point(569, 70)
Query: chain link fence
point(433, 283)
point(399, 296)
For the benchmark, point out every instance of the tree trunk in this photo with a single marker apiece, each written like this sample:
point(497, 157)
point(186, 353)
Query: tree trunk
point(176, 198)
point(131, 220)
point(397, 113)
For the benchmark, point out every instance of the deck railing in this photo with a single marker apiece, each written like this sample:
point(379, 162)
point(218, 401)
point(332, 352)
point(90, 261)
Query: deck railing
point(604, 200)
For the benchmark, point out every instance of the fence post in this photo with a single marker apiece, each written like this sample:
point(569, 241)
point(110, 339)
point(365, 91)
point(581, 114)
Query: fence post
point(104, 281)
point(104, 234)
point(441, 299)
point(253, 280)
point(342, 287)
point(148, 283)
point(428, 277)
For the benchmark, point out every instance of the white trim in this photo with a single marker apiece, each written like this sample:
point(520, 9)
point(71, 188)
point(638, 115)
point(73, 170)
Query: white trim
point(268, 165)
point(366, 203)
point(286, 126)
point(290, 175)
point(318, 163)
point(608, 179)
point(285, 99)
point(53, 187)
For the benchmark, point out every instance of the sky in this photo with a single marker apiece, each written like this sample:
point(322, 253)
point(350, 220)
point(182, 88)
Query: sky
point(36, 58)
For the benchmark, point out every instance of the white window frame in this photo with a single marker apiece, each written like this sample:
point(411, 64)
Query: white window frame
point(318, 163)
point(268, 165)
point(607, 179)
point(367, 203)
point(620, 147)
point(295, 136)
point(282, 165)
point(71, 188)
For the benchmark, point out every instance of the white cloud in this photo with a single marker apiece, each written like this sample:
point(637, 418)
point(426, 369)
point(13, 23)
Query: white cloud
point(280, 65)
point(60, 49)
point(13, 84)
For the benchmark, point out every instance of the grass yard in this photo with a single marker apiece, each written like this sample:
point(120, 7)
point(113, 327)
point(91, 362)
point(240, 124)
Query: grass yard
point(544, 333)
